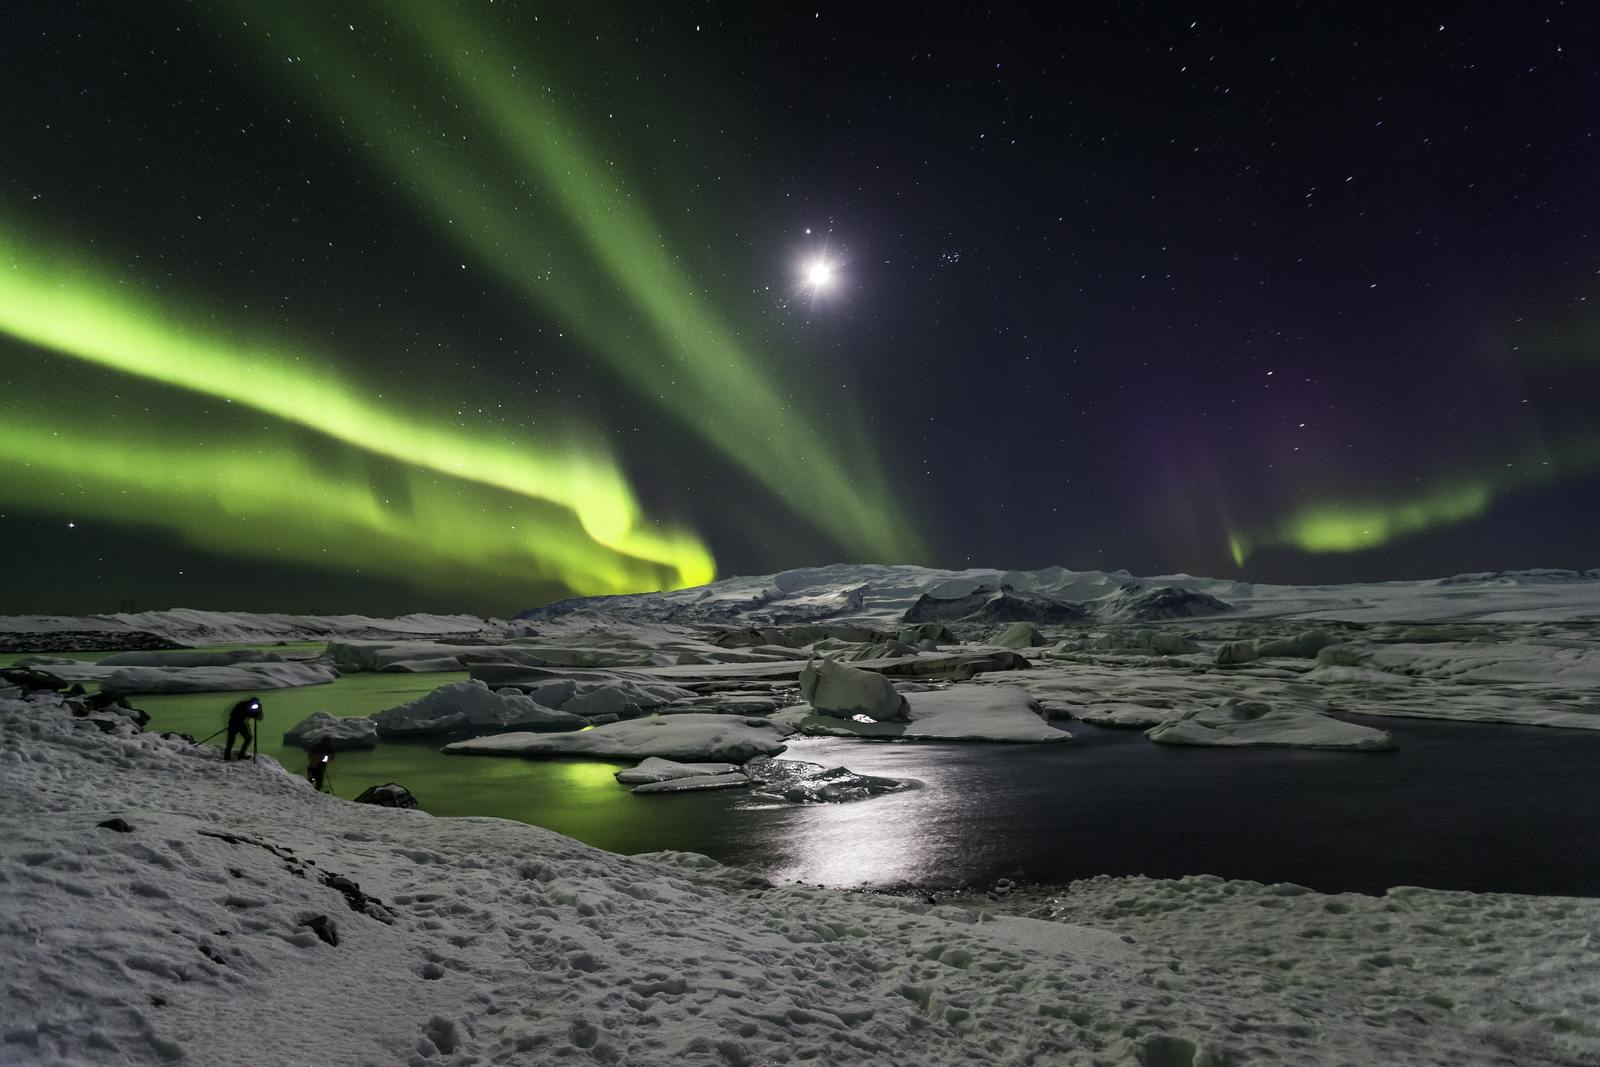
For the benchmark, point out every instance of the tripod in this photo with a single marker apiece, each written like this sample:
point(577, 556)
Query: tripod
point(203, 740)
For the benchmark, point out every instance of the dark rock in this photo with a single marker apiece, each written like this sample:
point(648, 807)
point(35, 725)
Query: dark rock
point(929, 608)
point(799, 636)
point(83, 641)
point(996, 605)
point(119, 824)
point(31, 679)
point(1137, 603)
point(388, 795)
point(1009, 605)
point(325, 929)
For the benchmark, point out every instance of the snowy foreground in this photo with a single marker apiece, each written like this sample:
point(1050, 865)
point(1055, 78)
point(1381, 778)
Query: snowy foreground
point(236, 917)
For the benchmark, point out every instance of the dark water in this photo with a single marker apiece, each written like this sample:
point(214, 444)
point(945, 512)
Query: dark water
point(1503, 808)
point(1462, 806)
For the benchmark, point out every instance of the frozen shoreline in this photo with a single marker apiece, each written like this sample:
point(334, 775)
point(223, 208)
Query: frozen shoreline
point(513, 944)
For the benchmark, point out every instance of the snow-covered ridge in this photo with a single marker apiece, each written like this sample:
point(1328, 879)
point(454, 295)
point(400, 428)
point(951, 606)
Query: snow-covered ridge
point(872, 593)
point(191, 627)
point(883, 593)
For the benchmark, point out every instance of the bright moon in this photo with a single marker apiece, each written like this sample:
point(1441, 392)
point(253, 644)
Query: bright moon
point(819, 274)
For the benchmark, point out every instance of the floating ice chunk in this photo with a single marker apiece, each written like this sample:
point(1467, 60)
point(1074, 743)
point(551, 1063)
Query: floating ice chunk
point(239, 677)
point(724, 738)
point(470, 706)
point(1254, 722)
point(1303, 645)
point(1019, 635)
point(961, 713)
point(1233, 653)
point(321, 728)
point(698, 783)
point(656, 769)
point(1123, 714)
point(811, 783)
point(832, 688)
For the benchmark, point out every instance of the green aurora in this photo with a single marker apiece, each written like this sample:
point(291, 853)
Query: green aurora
point(73, 309)
point(567, 233)
point(269, 497)
point(521, 190)
point(1355, 525)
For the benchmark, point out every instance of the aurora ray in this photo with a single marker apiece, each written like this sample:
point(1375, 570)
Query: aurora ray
point(265, 498)
point(77, 310)
point(584, 246)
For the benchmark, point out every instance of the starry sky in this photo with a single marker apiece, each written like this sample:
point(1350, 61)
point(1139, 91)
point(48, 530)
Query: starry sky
point(393, 305)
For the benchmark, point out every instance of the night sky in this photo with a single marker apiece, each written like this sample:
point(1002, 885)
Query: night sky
point(459, 305)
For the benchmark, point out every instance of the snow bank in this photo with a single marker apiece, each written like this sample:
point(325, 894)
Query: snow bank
point(719, 738)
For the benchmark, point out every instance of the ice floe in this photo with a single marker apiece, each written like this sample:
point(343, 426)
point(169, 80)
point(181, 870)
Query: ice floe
point(990, 713)
point(463, 707)
point(320, 729)
point(698, 738)
point(240, 676)
point(1240, 722)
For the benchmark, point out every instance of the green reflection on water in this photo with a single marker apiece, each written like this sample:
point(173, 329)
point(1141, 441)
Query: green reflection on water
point(576, 797)
point(580, 798)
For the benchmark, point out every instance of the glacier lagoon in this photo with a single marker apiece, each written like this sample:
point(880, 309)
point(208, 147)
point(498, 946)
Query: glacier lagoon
point(1474, 806)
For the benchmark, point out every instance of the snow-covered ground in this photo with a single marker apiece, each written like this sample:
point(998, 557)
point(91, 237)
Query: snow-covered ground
point(233, 922)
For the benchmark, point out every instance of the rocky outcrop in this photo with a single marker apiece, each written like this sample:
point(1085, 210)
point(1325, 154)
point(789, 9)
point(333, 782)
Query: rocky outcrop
point(1140, 603)
point(929, 608)
point(388, 795)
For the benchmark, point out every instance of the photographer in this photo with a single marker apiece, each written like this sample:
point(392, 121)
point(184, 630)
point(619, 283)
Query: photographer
point(239, 726)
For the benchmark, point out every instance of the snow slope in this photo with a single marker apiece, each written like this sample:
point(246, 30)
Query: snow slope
point(233, 924)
